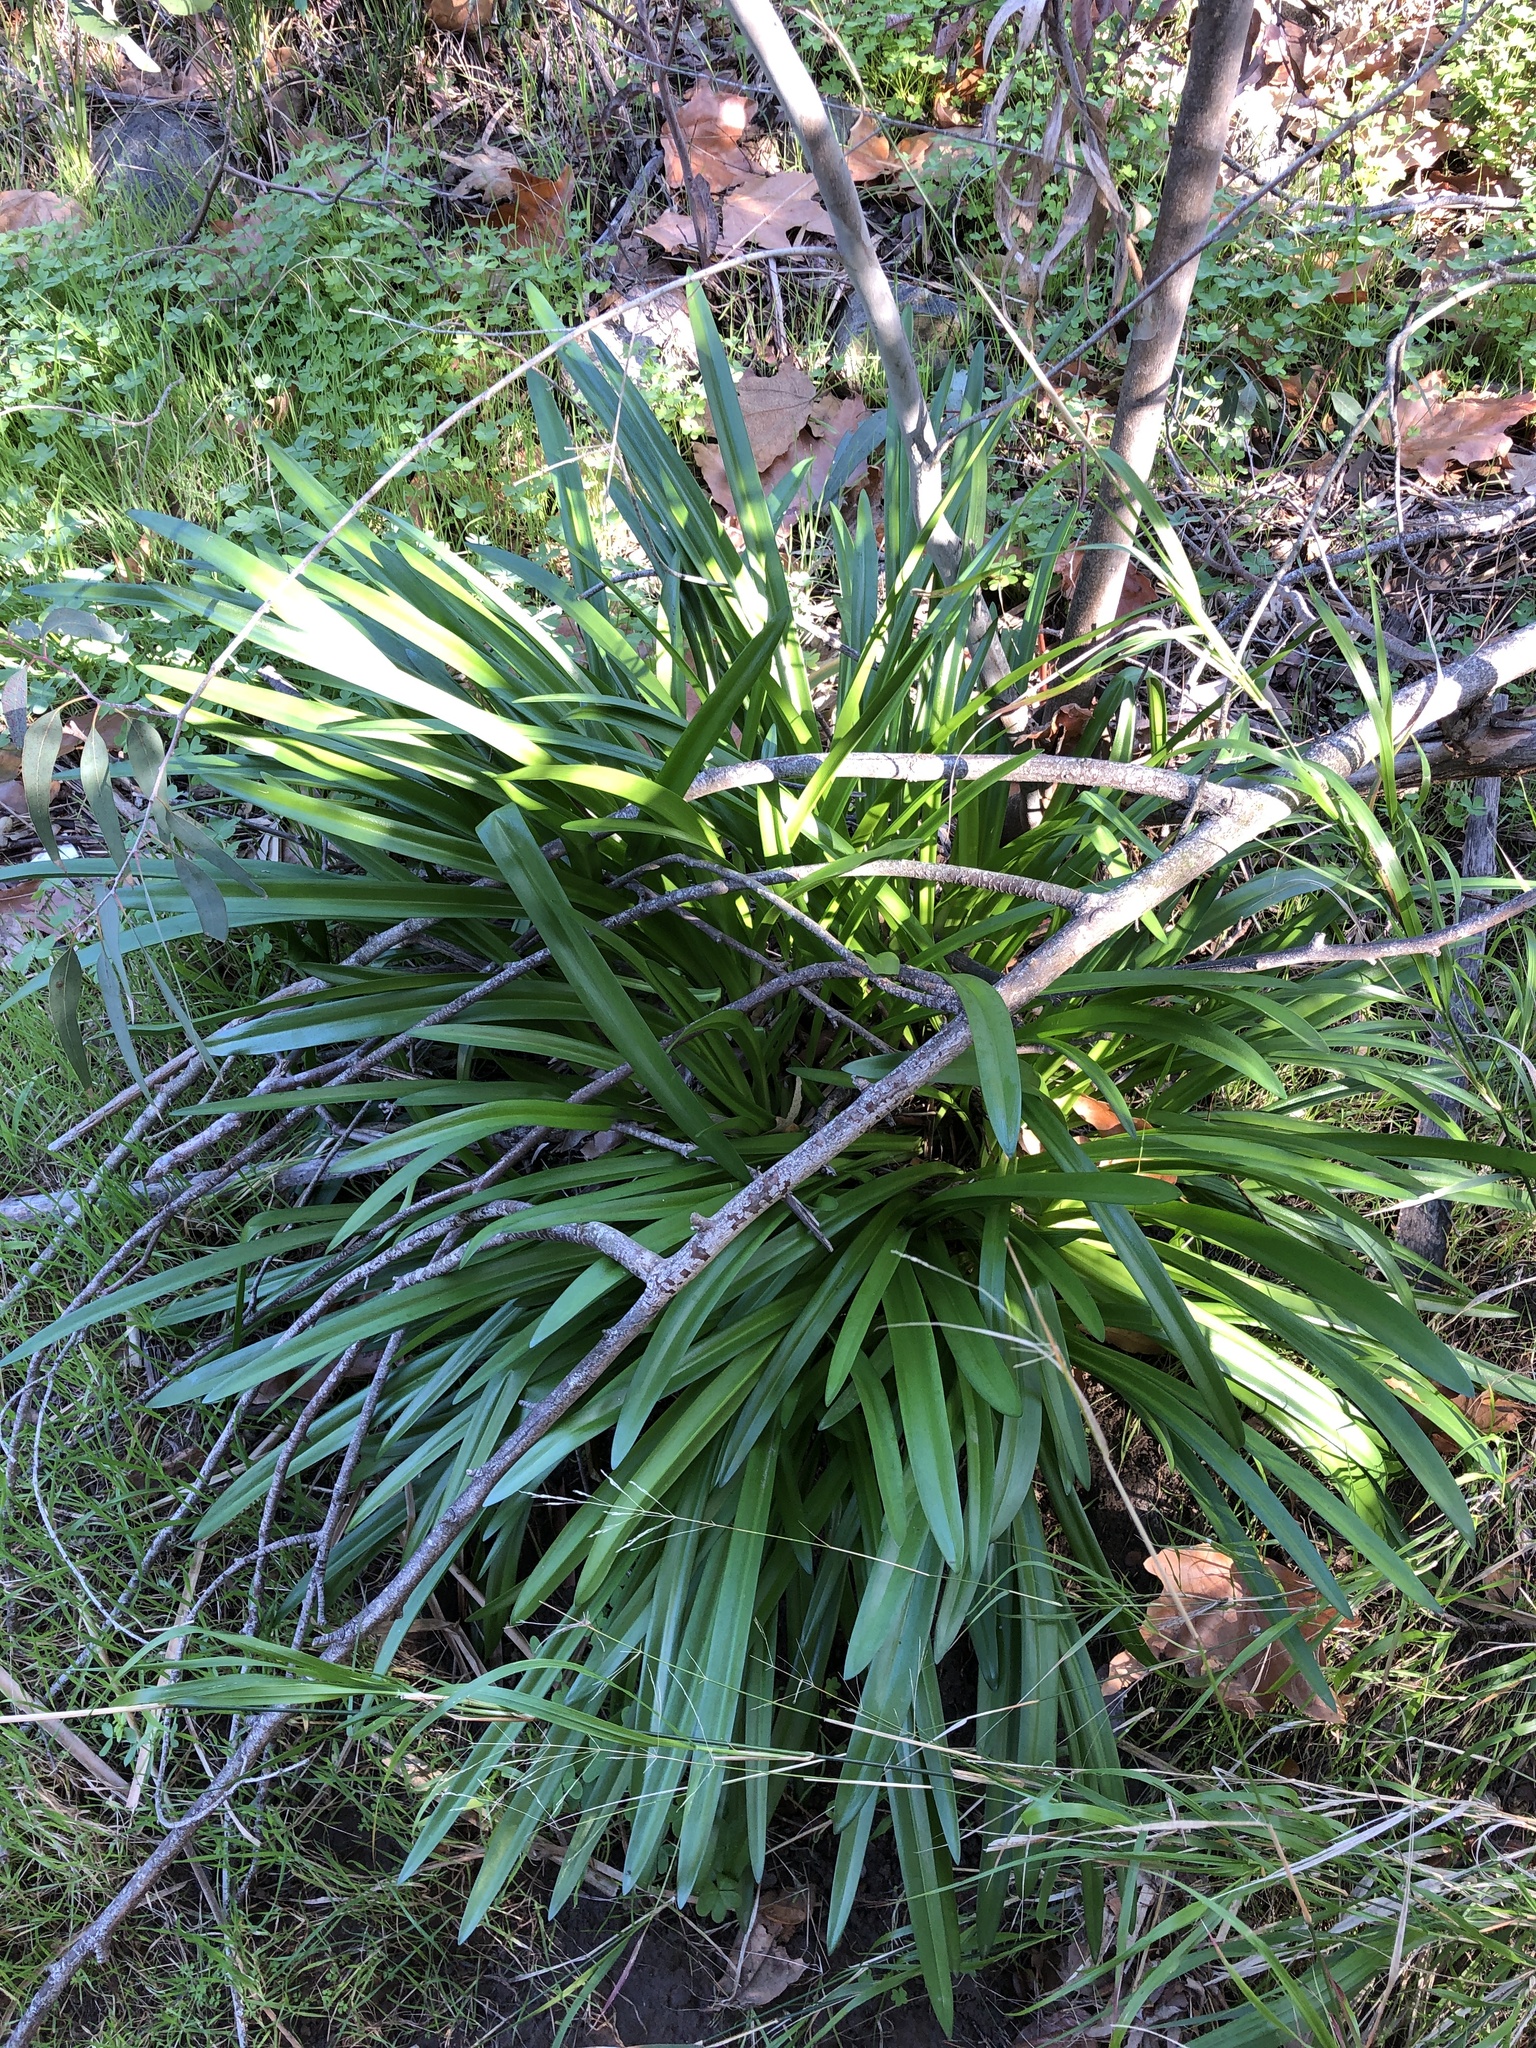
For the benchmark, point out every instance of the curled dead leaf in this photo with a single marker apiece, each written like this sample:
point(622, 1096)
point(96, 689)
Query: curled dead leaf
point(1207, 1618)
point(761, 1967)
point(461, 17)
point(871, 153)
point(1435, 432)
point(1494, 1414)
point(487, 172)
point(713, 124)
point(22, 210)
point(1299, 392)
point(1353, 285)
point(537, 212)
point(1124, 1672)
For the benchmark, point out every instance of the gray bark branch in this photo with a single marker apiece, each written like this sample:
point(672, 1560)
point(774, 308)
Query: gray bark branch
point(1184, 217)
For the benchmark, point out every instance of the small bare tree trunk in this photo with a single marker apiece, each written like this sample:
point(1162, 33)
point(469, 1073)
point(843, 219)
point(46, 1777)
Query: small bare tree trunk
point(1216, 46)
point(759, 22)
point(1424, 1231)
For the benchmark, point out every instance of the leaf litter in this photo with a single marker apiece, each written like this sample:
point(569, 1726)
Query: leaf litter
point(713, 124)
point(762, 1969)
point(1207, 1620)
point(787, 424)
point(1470, 427)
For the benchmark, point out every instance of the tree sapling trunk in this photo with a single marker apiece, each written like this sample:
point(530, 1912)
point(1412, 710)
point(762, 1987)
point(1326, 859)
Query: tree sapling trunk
point(1216, 44)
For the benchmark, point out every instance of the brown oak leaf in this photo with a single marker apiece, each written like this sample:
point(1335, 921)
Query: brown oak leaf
point(1220, 1620)
point(871, 155)
point(536, 214)
point(674, 232)
point(20, 210)
point(1435, 432)
point(826, 424)
point(713, 124)
point(763, 210)
point(775, 409)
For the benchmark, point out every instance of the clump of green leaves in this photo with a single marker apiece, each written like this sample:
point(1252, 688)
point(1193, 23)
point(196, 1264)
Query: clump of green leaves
point(840, 1482)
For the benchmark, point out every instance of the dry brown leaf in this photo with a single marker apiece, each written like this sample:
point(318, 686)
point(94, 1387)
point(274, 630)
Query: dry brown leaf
point(674, 232)
point(763, 210)
point(761, 1968)
point(1424, 146)
point(1522, 475)
point(26, 908)
point(775, 409)
point(1494, 1414)
point(870, 154)
point(112, 724)
point(831, 421)
point(713, 124)
point(488, 173)
point(1353, 287)
point(825, 426)
point(955, 106)
point(1224, 1619)
point(1435, 432)
point(1136, 593)
point(1124, 1672)
point(1482, 183)
point(461, 17)
point(536, 213)
point(22, 210)
point(1097, 1113)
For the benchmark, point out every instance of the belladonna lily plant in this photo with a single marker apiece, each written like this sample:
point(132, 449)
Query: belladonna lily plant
point(682, 1228)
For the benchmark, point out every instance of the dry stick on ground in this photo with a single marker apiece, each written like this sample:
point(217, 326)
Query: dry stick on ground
point(1238, 814)
point(1424, 1231)
point(1183, 218)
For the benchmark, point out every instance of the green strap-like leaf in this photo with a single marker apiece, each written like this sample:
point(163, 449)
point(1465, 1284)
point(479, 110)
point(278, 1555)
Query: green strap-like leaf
point(65, 982)
point(997, 1057)
point(39, 757)
point(924, 1418)
point(710, 722)
point(516, 852)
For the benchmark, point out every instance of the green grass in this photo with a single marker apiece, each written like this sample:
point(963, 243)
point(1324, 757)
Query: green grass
point(142, 376)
